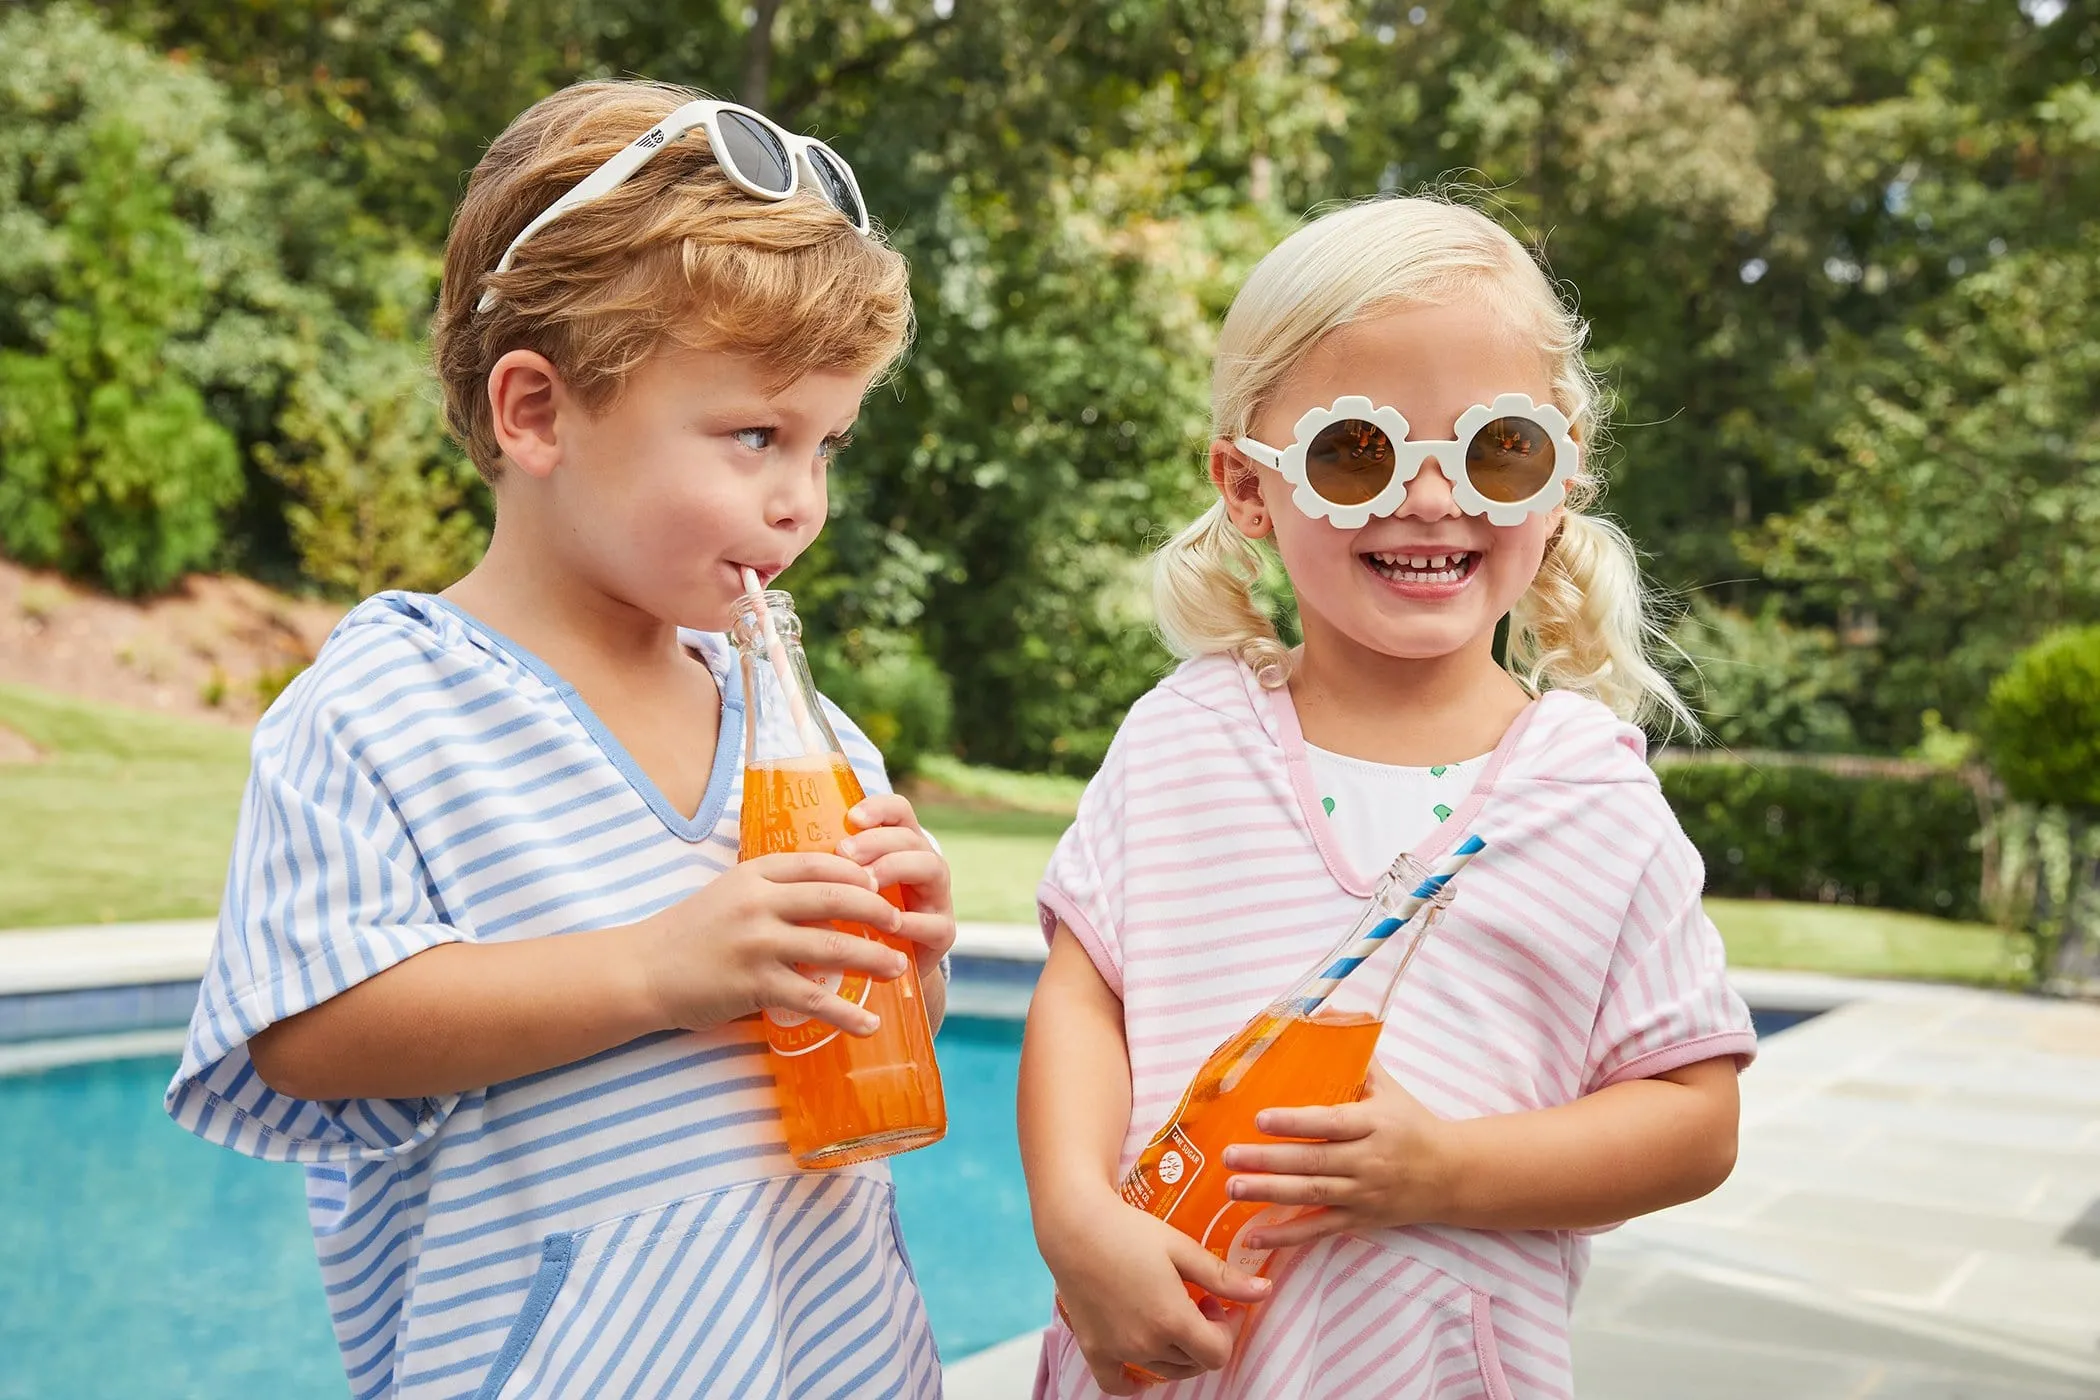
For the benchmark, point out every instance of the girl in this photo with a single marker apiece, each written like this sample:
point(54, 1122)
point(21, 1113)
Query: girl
point(1400, 403)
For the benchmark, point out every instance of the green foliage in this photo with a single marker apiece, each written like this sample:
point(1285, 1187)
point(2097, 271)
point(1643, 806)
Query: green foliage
point(1762, 684)
point(1791, 831)
point(2043, 724)
point(376, 496)
point(1854, 379)
point(110, 466)
point(895, 694)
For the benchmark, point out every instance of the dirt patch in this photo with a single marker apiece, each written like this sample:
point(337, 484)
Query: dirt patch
point(16, 749)
point(215, 648)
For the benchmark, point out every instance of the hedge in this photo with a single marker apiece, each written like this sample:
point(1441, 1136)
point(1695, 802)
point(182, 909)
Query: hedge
point(1893, 835)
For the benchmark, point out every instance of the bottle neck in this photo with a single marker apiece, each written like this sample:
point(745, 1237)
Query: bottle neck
point(784, 718)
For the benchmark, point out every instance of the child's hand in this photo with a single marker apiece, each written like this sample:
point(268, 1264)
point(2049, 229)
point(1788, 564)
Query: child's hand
point(1120, 1278)
point(732, 949)
point(1374, 1163)
point(888, 841)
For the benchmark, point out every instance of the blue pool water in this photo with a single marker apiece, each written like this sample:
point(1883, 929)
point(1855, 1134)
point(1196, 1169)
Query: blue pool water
point(139, 1262)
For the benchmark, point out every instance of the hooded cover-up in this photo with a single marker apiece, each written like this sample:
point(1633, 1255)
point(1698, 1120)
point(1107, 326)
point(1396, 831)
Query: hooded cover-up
point(1202, 876)
point(631, 1223)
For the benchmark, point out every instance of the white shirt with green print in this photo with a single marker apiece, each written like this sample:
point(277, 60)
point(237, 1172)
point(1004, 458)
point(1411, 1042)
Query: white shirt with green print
point(1378, 810)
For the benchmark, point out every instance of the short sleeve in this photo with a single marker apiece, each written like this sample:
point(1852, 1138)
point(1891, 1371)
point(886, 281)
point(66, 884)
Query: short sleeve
point(1083, 886)
point(1667, 1002)
point(860, 750)
point(325, 890)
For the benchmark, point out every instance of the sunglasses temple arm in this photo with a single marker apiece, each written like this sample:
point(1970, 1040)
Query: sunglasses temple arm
point(599, 183)
point(1261, 452)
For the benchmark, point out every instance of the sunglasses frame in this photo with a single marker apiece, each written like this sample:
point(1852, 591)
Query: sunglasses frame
point(704, 114)
point(1408, 457)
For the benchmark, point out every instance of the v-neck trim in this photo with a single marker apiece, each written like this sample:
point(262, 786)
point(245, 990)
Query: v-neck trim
point(729, 741)
point(1290, 737)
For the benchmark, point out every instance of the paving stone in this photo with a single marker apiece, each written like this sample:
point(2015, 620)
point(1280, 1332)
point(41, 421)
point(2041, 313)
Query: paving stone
point(1840, 1265)
point(1615, 1365)
point(1856, 1215)
point(2055, 1294)
point(1702, 1308)
point(1913, 1385)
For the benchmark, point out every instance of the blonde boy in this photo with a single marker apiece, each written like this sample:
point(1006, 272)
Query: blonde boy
point(487, 962)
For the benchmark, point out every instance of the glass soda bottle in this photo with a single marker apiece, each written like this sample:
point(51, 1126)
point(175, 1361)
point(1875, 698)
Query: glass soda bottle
point(1295, 1052)
point(843, 1098)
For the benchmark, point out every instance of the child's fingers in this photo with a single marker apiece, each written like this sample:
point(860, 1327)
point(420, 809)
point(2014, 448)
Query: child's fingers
point(826, 902)
point(808, 867)
point(1207, 1271)
point(1339, 1123)
point(1113, 1378)
point(883, 809)
point(922, 871)
point(1284, 1158)
point(1293, 1190)
point(866, 847)
point(1304, 1229)
point(833, 951)
point(935, 933)
point(788, 992)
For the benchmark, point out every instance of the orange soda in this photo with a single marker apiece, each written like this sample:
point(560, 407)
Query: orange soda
point(843, 1098)
point(1275, 1060)
point(1294, 1053)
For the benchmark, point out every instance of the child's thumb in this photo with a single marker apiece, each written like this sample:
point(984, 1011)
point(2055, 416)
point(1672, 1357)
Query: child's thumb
point(1213, 1275)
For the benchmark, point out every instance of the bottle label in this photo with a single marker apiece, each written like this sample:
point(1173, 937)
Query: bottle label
point(1155, 1185)
point(793, 1033)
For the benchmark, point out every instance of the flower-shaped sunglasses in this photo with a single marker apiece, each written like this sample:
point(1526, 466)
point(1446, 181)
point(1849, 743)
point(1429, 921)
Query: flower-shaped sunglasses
point(1352, 460)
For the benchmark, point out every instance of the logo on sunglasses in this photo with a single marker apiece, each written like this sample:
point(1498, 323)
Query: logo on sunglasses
point(651, 139)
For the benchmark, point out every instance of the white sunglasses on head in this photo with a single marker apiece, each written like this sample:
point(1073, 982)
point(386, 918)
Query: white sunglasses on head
point(1352, 460)
point(758, 156)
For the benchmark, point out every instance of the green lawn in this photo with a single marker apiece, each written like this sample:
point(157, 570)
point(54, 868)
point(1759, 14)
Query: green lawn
point(131, 816)
point(128, 816)
point(1855, 942)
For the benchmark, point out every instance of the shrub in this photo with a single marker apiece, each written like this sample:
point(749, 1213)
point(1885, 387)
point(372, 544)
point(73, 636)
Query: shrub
point(110, 467)
point(1884, 834)
point(897, 696)
point(2042, 725)
point(377, 497)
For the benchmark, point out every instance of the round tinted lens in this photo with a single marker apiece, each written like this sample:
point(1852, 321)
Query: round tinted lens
point(753, 152)
point(831, 174)
point(1349, 461)
point(1510, 460)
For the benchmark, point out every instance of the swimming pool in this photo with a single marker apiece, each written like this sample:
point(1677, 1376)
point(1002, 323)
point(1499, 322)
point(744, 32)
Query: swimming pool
point(138, 1261)
point(117, 1227)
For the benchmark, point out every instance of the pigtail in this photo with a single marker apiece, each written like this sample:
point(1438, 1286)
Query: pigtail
point(1588, 625)
point(1203, 598)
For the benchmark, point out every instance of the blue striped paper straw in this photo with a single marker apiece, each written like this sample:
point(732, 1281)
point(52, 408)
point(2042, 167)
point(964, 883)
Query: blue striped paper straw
point(1405, 910)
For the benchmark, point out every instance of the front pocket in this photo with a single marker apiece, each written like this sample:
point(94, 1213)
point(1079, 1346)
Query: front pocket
point(1387, 1326)
point(782, 1288)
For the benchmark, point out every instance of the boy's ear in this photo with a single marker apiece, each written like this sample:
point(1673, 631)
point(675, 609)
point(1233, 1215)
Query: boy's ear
point(526, 399)
point(1239, 486)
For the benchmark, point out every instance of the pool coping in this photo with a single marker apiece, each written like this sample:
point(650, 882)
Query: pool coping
point(114, 979)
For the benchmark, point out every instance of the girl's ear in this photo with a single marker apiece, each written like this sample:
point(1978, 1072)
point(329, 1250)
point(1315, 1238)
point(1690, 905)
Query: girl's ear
point(1239, 485)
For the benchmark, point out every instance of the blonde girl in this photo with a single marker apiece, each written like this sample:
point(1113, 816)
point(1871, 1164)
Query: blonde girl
point(1400, 410)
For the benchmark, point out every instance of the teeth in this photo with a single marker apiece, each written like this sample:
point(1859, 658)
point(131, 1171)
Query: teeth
point(1422, 568)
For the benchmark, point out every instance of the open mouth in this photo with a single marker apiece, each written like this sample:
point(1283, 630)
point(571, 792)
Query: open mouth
point(1428, 569)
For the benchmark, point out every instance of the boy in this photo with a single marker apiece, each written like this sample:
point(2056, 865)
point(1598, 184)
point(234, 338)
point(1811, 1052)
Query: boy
point(487, 961)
